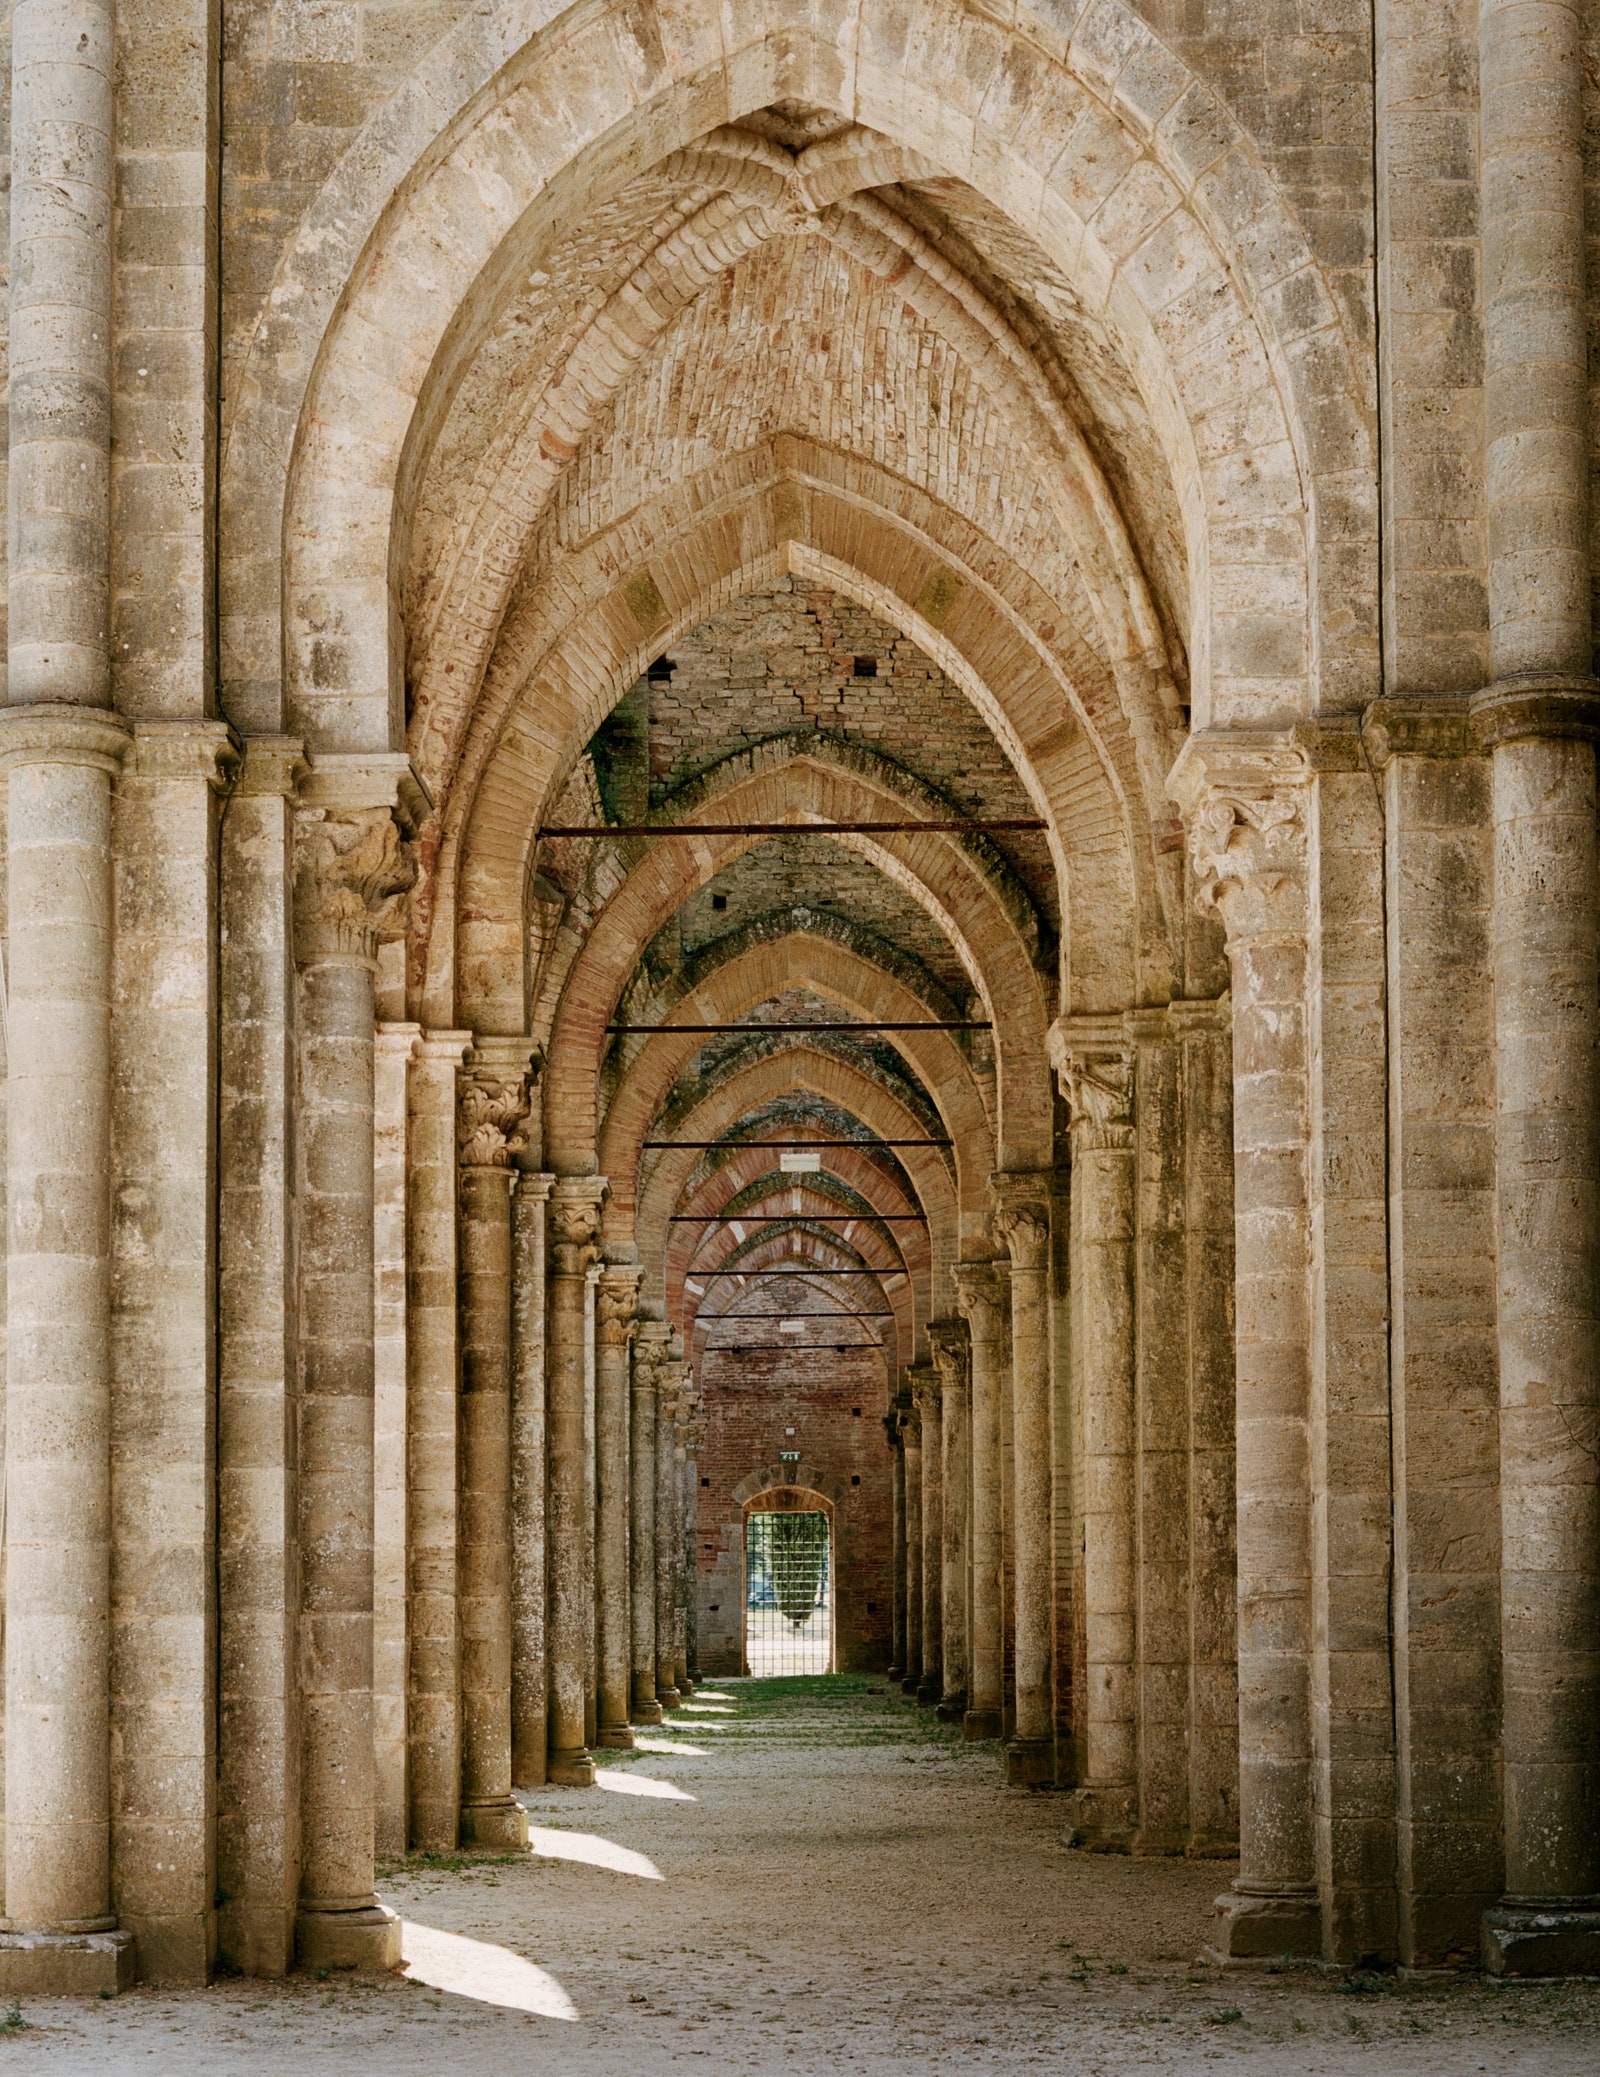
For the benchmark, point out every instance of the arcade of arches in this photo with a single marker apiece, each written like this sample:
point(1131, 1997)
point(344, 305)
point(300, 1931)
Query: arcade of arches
point(831, 755)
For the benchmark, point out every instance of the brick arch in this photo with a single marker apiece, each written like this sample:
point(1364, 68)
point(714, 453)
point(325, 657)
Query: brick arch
point(806, 1252)
point(573, 1127)
point(578, 645)
point(936, 870)
point(825, 1075)
point(520, 108)
point(791, 1478)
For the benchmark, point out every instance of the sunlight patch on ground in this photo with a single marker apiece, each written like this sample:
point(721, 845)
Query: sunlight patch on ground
point(709, 1708)
point(593, 1851)
point(478, 1969)
point(648, 1744)
point(711, 1695)
point(641, 1785)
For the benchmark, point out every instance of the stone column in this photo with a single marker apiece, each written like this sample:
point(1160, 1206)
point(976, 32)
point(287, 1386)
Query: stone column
point(980, 1293)
point(58, 1378)
point(258, 1816)
point(394, 1047)
point(950, 1344)
point(587, 1519)
point(530, 1665)
point(1097, 1087)
point(350, 877)
point(1539, 720)
point(575, 1203)
point(433, 1444)
point(688, 1406)
point(925, 1392)
point(911, 1451)
point(60, 752)
point(1247, 851)
point(649, 1352)
point(1022, 1218)
point(693, 1442)
point(492, 1105)
point(670, 1377)
point(1548, 1184)
point(897, 1533)
point(616, 1318)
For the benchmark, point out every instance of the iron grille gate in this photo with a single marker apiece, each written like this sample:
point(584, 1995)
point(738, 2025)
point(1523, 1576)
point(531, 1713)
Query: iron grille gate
point(788, 1619)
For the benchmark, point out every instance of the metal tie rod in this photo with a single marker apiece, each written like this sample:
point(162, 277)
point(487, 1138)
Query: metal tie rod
point(776, 1218)
point(772, 1319)
point(975, 825)
point(772, 1145)
point(805, 1269)
point(761, 1030)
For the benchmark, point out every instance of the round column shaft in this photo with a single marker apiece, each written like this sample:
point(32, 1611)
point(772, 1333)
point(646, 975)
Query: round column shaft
point(930, 1688)
point(950, 1348)
point(1023, 1218)
point(911, 1450)
point(897, 1532)
point(575, 1203)
point(649, 1351)
point(981, 1291)
point(490, 1814)
point(669, 1387)
point(530, 1666)
point(616, 1299)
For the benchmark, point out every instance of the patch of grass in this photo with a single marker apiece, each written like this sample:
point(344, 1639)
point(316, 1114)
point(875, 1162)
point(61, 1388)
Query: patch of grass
point(1224, 2018)
point(13, 2021)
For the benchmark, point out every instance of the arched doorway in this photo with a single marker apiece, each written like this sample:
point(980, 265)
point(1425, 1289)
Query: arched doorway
point(789, 1581)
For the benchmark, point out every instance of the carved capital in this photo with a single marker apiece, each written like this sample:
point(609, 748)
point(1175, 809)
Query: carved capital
point(352, 874)
point(981, 1295)
point(1240, 793)
point(574, 1215)
point(951, 1342)
point(488, 1114)
point(1098, 1087)
point(925, 1385)
point(1021, 1215)
point(616, 1302)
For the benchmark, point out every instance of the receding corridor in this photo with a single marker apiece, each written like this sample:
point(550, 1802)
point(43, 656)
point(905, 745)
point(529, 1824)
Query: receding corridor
point(843, 1886)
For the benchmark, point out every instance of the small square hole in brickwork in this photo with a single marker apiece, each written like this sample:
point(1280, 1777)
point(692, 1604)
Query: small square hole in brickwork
point(856, 1411)
point(854, 1479)
point(705, 1482)
point(872, 1608)
point(866, 667)
point(660, 672)
point(719, 901)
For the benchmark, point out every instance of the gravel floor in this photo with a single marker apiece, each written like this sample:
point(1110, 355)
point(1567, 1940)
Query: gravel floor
point(819, 1880)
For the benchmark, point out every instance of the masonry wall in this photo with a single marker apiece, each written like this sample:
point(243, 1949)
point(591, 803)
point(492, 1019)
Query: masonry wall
point(834, 1403)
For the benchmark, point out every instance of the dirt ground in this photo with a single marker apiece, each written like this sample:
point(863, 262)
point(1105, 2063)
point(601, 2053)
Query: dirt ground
point(811, 1877)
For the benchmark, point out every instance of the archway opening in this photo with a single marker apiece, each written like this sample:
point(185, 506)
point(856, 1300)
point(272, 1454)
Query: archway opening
point(788, 1589)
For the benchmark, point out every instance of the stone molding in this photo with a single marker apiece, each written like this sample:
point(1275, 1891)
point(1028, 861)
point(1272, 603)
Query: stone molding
point(352, 878)
point(951, 1342)
point(981, 1295)
point(1515, 710)
point(58, 734)
point(575, 1205)
point(1238, 791)
point(926, 1385)
point(1021, 1215)
point(1437, 728)
point(273, 766)
point(208, 750)
point(616, 1302)
point(533, 1186)
point(451, 1046)
point(488, 1112)
point(397, 1040)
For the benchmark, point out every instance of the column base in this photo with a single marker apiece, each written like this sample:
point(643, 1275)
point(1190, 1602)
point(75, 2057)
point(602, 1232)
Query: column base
point(1535, 1940)
point(1103, 1817)
point(366, 1937)
point(1263, 1926)
point(571, 1770)
point(497, 1826)
point(615, 1738)
point(646, 1712)
point(1031, 1763)
point(952, 1709)
point(669, 1698)
point(894, 1675)
point(686, 1686)
point(929, 1690)
point(981, 1724)
point(910, 1683)
point(65, 1965)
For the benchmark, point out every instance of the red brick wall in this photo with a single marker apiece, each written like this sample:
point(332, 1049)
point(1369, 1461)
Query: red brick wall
point(834, 1401)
